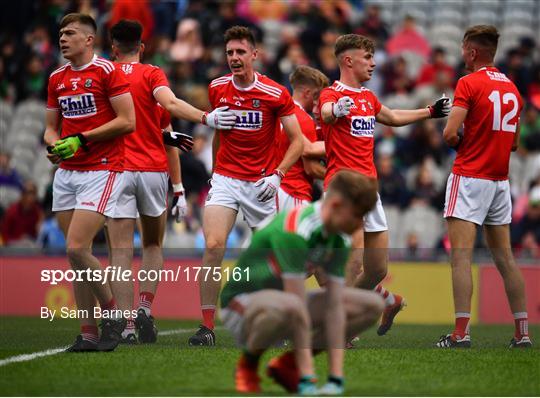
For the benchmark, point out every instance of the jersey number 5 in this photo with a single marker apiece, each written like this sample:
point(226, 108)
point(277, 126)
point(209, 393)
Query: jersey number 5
point(495, 97)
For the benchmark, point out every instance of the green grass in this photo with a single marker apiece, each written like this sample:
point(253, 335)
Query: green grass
point(402, 363)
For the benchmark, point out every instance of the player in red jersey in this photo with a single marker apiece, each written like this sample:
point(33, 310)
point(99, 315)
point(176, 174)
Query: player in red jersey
point(349, 112)
point(488, 104)
point(296, 187)
point(147, 165)
point(92, 103)
point(247, 173)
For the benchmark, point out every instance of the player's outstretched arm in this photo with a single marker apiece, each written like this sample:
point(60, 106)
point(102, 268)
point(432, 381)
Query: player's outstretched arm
point(123, 123)
point(454, 123)
point(315, 149)
point(335, 320)
point(402, 117)
point(219, 118)
point(332, 111)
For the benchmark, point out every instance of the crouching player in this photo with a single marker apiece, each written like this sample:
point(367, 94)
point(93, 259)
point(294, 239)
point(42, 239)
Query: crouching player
point(269, 303)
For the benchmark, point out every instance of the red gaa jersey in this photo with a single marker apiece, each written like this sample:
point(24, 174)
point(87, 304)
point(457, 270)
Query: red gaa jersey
point(82, 95)
point(494, 105)
point(145, 150)
point(248, 151)
point(296, 182)
point(350, 140)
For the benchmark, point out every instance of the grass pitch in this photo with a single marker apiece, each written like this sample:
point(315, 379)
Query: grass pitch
point(401, 363)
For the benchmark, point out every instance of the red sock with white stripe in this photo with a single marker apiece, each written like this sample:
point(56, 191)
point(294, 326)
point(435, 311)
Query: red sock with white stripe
point(208, 313)
point(388, 297)
point(462, 325)
point(145, 302)
point(90, 333)
point(521, 321)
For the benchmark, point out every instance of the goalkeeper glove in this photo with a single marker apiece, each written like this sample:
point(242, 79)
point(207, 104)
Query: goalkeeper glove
point(179, 140)
point(220, 118)
point(342, 107)
point(441, 108)
point(67, 147)
point(179, 205)
point(269, 186)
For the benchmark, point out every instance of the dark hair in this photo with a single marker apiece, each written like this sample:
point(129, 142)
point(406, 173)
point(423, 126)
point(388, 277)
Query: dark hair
point(360, 190)
point(485, 36)
point(353, 41)
point(305, 75)
point(239, 33)
point(83, 19)
point(126, 35)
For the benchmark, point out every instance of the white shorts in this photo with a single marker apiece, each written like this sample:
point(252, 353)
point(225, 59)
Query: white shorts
point(238, 194)
point(288, 202)
point(375, 220)
point(96, 190)
point(478, 200)
point(143, 192)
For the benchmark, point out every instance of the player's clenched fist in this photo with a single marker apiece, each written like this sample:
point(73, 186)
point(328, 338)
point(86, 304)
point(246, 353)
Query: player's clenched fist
point(268, 186)
point(342, 107)
point(440, 108)
point(220, 118)
point(179, 204)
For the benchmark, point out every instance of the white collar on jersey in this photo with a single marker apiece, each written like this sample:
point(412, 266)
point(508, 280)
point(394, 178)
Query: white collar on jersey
point(356, 90)
point(299, 105)
point(84, 66)
point(246, 88)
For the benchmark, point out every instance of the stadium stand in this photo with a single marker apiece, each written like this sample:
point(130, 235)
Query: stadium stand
point(292, 34)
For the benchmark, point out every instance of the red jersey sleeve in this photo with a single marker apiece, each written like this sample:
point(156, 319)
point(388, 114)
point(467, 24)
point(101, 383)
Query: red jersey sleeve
point(116, 84)
point(52, 97)
point(462, 95)
point(286, 104)
point(157, 79)
point(212, 96)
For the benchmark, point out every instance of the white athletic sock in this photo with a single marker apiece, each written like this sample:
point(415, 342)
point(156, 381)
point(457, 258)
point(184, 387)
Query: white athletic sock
point(388, 297)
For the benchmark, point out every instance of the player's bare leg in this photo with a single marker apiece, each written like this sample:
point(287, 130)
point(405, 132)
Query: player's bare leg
point(373, 273)
point(270, 317)
point(153, 230)
point(462, 235)
point(82, 292)
point(363, 308)
point(353, 268)
point(498, 240)
point(119, 232)
point(217, 224)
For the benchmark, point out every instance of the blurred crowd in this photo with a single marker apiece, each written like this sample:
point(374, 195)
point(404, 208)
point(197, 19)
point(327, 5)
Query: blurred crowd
point(185, 38)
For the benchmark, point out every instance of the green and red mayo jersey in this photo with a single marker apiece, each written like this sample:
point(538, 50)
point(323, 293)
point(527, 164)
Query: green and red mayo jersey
point(290, 245)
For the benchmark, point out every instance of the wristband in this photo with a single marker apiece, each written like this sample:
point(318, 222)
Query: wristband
point(178, 189)
point(279, 173)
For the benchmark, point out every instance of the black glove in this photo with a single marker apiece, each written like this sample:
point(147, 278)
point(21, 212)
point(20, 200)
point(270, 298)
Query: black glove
point(441, 108)
point(179, 140)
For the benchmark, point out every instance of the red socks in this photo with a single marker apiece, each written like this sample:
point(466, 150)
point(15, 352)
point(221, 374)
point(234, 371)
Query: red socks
point(462, 325)
point(90, 333)
point(145, 301)
point(110, 306)
point(521, 321)
point(208, 313)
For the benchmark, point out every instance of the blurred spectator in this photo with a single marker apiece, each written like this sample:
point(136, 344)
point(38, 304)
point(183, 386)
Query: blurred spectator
point(134, 10)
point(39, 42)
point(32, 81)
point(22, 220)
point(7, 90)
point(392, 187)
point(533, 90)
point(258, 11)
point(372, 25)
point(396, 77)
point(427, 141)
point(514, 67)
point(530, 129)
point(188, 45)
point(289, 58)
point(424, 190)
point(526, 233)
point(429, 72)
point(8, 175)
point(427, 94)
point(408, 38)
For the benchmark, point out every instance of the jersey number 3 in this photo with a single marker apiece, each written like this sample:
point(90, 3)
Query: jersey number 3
point(495, 97)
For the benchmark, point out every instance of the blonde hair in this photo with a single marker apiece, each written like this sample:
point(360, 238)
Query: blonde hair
point(305, 75)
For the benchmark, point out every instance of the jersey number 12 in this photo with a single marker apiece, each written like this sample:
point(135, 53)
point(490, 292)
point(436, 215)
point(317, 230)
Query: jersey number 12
point(495, 97)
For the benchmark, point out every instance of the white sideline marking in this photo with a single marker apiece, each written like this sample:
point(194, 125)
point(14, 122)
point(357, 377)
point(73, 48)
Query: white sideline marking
point(54, 351)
